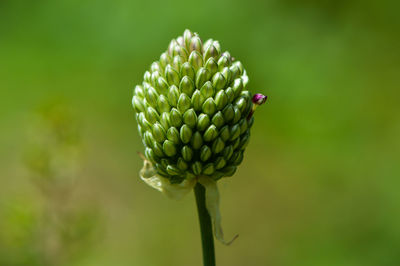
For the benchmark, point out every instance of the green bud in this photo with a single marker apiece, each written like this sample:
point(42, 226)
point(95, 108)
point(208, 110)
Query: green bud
point(180, 41)
point(228, 112)
point(243, 125)
point(137, 104)
point(237, 115)
point(207, 90)
point(184, 103)
point(165, 59)
point(171, 47)
point(205, 153)
point(230, 94)
point(196, 60)
point(152, 96)
point(209, 106)
point(212, 66)
point(148, 138)
point(218, 119)
point(176, 118)
point(161, 169)
point(165, 120)
point(217, 175)
point(187, 153)
point(234, 157)
point(228, 55)
point(140, 131)
point(219, 163)
point(188, 70)
point(229, 170)
point(237, 87)
point(195, 44)
point(234, 131)
point(197, 140)
point(173, 170)
point(227, 152)
point(154, 78)
point(211, 133)
point(186, 86)
point(219, 81)
point(146, 86)
point(162, 104)
point(182, 165)
point(181, 51)
point(159, 133)
point(244, 141)
point(196, 168)
point(150, 155)
point(173, 95)
point(186, 134)
point(177, 62)
point(147, 76)
point(249, 103)
point(152, 115)
point(187, 38)
point(165, 162)
point(221, 99)
point(207, 44)
point(224, 133)
point(143, 122)
point(138, 91)
point(171, 76)
point(162, 85)
point(218, 145)
point(227, 74)
point(158, 149)
point(169, 148)
point(223, 62)
point(202, 76)
point(235, 143)
point(217, 46)
point(211, 51)
point(203, 122)
point(173, 135)
point(241, 103)
point(155, 66)
point(197, 100)
point(235, 72)
point(190, 118)
point(208, 169)
point(239, 65)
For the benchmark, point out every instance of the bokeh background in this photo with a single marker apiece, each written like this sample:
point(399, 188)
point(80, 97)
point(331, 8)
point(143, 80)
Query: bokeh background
point(320, 181)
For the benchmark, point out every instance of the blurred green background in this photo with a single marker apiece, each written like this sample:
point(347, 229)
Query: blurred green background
point(319, 184)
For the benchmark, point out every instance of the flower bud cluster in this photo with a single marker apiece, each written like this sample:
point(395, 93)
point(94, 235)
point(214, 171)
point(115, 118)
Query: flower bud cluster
point(193, 110)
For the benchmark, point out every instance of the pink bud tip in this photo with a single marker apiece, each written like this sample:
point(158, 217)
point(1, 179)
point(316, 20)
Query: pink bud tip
point(259, 98)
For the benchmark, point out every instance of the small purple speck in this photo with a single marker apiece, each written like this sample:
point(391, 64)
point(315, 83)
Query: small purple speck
point(259, 98)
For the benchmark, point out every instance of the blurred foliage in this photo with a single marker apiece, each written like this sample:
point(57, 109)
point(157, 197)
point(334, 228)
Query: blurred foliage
point(319, 182)
point(49, 229)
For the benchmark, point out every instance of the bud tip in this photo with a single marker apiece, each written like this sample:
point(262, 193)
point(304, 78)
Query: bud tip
point(259, 98)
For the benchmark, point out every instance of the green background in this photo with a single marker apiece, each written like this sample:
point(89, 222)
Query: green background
point(319, 184)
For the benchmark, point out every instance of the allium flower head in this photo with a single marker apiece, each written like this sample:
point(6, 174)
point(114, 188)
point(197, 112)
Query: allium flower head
point(192, 110)
point(194, 116)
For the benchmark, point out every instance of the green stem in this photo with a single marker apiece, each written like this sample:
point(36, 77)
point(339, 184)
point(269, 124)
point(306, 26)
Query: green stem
point(207, 238)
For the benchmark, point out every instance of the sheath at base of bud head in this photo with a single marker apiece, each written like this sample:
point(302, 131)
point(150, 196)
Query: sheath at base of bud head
point(193, 110)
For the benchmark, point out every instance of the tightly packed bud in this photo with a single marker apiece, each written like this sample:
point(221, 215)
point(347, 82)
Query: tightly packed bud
point(192, 110)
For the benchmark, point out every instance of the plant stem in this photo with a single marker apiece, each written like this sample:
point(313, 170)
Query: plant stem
point(207, 238)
